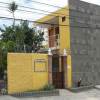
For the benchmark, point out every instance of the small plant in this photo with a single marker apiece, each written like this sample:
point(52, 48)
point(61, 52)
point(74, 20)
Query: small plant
point(79, 82)
point(48, 87)
point(4, 91)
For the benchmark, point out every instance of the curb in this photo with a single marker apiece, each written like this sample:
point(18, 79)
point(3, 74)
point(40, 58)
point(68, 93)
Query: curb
point(37, 94)
point(80, 89)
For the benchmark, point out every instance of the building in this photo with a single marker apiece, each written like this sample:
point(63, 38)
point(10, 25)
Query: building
point(76, 28)
point(73, 43)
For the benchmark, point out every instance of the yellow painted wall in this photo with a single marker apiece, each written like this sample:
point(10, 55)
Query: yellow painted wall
point(40, 77)
point(64, 29)
point(21, 74)
point(60, 12)
point(69, 71)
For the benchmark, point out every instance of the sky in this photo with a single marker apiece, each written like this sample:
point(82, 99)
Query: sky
point(29, 15)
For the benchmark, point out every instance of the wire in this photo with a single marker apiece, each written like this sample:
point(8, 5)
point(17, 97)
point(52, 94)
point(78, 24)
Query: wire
point(54, 12)
point(35, 12)
point(9, 18)
point(42, 13)
point(51, 15)
point(35, 9)
point(46, 4)
point(71, 16)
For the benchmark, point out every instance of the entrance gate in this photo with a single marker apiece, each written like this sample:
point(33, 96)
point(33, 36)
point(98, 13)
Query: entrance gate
point(57, 75)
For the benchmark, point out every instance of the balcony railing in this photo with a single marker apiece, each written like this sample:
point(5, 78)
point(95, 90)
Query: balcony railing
point(53, 41)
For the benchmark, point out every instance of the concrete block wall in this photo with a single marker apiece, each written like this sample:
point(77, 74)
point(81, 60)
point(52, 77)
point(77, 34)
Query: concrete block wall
point(85, 42)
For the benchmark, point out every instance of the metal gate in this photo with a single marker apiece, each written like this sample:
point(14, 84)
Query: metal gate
point(57, 76)
point(58, 80)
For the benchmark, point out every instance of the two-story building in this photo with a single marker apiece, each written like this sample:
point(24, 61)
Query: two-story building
point(73, 57)
point(75, 29)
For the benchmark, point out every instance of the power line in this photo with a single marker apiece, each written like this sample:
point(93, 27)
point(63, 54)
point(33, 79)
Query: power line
point(46, 4)
point(40, 13)
point(71, 17)
point(9, 18)
point(53, 15)
point(52, 12)
point(45, 14)
point(36, 9)
point(35, 12)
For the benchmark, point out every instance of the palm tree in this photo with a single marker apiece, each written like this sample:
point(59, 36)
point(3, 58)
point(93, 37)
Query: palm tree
point(12, 8)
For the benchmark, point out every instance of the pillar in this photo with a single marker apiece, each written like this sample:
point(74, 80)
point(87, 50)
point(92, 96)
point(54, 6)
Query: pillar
point(50, 69)
point(49, 66)
point(65, 70)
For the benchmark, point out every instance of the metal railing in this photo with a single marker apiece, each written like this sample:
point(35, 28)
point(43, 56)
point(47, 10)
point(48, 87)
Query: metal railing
point(53, 41)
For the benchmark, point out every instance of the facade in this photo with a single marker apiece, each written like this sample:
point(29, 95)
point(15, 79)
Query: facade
point(85, 37)
point(78, 27)
point(58, 41)
point(74, 51)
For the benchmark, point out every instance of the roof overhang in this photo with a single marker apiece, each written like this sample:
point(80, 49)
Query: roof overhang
point(51, 19)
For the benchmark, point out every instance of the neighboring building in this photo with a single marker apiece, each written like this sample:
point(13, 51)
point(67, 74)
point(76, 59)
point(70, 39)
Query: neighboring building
point(76, 28)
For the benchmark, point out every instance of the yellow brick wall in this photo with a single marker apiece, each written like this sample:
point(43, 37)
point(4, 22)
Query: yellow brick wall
point(21, 75)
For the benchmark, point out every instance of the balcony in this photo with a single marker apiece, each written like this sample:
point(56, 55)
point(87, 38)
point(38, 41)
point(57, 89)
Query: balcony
point(53, 41)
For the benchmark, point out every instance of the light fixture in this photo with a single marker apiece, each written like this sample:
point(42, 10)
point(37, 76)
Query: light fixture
point(65, 52)
point(49, 51)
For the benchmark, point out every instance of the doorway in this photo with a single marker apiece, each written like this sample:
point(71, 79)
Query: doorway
point(57, 75)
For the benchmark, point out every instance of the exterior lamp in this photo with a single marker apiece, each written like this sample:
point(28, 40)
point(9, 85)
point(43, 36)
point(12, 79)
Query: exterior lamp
point(49, 52)
point(65, 52)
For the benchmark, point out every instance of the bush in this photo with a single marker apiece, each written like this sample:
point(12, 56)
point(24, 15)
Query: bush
point(4, 91)
point(48, 87)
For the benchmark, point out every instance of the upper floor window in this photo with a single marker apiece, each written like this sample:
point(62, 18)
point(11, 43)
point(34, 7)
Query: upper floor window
point(63, 19)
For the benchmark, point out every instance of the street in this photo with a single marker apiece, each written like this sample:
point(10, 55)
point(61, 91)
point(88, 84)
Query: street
point(92, 94)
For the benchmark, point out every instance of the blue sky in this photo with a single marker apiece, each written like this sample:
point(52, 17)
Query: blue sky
point(28, 3)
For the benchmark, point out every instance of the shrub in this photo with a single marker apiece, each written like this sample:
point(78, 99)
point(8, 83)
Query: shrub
point(48, 87)
point(4, 91)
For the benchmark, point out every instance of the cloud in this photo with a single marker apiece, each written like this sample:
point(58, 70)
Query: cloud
point(93, 1)
point(28, 3)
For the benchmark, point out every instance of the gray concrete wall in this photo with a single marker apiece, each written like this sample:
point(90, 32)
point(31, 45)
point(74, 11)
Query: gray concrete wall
point(85, 42)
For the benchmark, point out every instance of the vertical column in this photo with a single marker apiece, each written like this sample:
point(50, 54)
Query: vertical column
point(65, 70)
point(69, 72)
point(50, 66)
point(60, 63)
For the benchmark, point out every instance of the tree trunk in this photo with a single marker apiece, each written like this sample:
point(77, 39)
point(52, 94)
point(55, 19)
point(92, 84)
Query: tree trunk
point(13, 19)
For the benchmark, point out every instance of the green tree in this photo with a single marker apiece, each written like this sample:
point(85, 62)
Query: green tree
point(8, 34)
point(12, 8)
point(21, 38)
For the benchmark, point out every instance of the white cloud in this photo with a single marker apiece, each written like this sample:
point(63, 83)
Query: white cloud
point(93, 1)
point(34, 16)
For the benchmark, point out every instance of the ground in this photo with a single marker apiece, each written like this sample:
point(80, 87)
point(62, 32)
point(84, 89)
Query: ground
point(92, 94)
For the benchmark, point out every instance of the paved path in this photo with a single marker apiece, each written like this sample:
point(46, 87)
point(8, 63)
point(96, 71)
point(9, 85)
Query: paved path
point(8, 98)
point(93, 94)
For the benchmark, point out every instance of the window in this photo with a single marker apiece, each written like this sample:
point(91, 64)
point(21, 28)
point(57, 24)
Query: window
point(63, 19)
